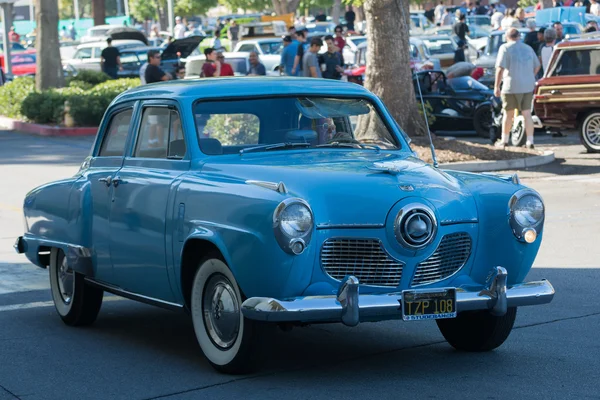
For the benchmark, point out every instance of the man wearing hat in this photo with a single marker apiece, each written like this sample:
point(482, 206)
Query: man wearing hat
point(179, 29)
point(110, 60)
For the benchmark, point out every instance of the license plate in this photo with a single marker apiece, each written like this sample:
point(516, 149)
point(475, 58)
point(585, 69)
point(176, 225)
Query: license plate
point(428, 304)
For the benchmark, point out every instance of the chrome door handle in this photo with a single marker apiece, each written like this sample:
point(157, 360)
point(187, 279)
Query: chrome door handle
point(116, 181)
point(106, 180)
point(555, 92)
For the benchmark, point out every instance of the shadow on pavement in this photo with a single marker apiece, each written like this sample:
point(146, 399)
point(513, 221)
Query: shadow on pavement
point(18, 148)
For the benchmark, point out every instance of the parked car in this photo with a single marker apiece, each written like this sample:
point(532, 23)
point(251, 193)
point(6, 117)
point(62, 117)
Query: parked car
point(23, 64)
point(487, 61)
point(87, 55)
point(352, 42)
point(268, 49)
point(14, 47)
point(459, 104)
point(477, 39)
point(96, 33)
point(568, 96)
point(223, 197)
point(239, 62)
point(322, 28)
point(420, 59)
point(441, 48)
point(419, 23)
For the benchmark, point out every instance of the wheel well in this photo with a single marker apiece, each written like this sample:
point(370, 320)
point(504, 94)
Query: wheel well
point(44, 255)
point(193, 252)
point(582, 114)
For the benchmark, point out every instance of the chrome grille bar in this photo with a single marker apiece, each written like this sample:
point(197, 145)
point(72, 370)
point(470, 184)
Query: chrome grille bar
point(366, 259)
point(450, 256)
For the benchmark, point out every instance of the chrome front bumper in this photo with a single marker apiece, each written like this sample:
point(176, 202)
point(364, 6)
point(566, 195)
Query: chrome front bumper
point(349, 307)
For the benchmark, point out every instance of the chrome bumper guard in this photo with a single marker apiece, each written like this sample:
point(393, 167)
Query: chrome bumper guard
point(349, 307)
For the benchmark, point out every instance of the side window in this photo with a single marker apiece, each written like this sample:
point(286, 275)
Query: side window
point(83, 53)
point(115, 137)
point(229, 129)
point(578, 62)
point(161, 135)
point(97, 52)
point(247, 47)
point(129, 58)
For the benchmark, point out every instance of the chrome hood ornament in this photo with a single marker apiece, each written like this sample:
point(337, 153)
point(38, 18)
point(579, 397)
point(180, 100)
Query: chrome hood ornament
point(392, 167)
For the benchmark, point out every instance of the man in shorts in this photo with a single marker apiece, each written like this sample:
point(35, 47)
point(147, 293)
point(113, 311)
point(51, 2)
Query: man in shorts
point(516, 67)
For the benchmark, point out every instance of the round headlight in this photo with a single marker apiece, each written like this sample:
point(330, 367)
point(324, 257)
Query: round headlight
point(415, 226)
point(295, 220)
point(293, 224)
point(526, 213)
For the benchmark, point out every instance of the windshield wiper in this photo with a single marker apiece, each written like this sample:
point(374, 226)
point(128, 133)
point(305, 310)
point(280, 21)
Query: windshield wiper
point(350, 144)
point(274, 146)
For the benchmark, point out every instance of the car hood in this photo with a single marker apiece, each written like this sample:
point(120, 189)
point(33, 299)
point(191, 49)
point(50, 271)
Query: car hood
point(354, 187)
point(487, 61)
point(184, 46)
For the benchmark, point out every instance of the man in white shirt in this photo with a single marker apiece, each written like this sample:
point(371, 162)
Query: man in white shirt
point(595, 8)
point(496, 19)
point(179, 30)
point(439, 11)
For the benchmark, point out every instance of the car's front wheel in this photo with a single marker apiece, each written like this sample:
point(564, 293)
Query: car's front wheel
point(482, 121)
point(77, 303)
point(228, 340)
point(589, 132)
point(477, 330)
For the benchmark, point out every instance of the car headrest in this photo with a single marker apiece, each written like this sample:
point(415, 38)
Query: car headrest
point(301, 135)
point(211, 146)
point(177, 149)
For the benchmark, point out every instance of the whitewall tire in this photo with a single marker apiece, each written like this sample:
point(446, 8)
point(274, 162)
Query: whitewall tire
point(589, 132)
point(76, 302)
point(227, 339)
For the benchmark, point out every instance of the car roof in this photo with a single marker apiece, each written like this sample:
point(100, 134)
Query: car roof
point(242, 87)
point(263, 39)
point(115, 43)
point(579, 42)
point(503, 32)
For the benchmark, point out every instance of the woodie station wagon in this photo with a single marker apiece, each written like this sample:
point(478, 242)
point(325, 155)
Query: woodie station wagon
point(253, 202)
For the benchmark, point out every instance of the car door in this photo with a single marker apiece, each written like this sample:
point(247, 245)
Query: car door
point(143, 191)
point(103, 166)
point(131, 65)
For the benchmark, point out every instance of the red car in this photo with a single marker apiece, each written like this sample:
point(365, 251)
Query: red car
point(22, 63)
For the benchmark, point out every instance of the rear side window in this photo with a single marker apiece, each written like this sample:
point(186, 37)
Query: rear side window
point(578, 62)
point(115, 138)
point(247, 47)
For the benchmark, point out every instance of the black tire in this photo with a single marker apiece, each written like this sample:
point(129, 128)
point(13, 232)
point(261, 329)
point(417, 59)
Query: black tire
point(477, 330)
point(237, 353)
point(82, 306)
point(518, 136)
point(590, 139)
point(482, 121)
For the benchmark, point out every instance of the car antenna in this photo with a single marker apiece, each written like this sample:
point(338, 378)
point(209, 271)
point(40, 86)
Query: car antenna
point(433, 157)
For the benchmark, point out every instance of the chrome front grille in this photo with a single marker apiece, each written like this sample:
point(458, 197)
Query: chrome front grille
point(452, 253)
point(366, 259)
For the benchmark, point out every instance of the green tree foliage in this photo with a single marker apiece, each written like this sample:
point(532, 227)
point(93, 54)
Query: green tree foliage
point(527, 3)
point(248, 5)
point(233, 129)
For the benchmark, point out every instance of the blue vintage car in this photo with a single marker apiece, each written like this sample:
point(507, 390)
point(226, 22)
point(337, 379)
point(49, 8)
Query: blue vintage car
point(251, 202)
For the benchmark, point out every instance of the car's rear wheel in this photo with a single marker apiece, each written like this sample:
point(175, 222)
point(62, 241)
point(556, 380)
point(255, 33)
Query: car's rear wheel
point(228, 340)
point(482, 121)
point(589, 132)
point(77, 303)
point(477, 330)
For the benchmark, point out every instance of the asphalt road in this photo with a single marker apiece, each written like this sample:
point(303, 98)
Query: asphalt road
point(135, 351)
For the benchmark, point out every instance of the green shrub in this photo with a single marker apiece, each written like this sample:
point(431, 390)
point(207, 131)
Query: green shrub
point(44, 107)
point(12, 95)
point(88, 76)
point(80, 84)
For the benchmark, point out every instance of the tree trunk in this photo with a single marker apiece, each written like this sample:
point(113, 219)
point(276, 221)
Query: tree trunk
point(99, 12)
point(388, 72)
point(546, 3)
point(335, 11)
point(360, 13)
point(49, 73)
point(277, 7)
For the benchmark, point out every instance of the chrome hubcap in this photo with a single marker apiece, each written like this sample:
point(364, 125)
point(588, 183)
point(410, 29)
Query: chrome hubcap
point(221, 312)
point(66, 281)
point(592, 130)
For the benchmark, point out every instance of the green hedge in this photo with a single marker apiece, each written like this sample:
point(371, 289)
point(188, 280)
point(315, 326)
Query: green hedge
point(18, 99)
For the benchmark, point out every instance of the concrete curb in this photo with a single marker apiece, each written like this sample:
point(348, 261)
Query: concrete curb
point(517, 163)
point(45, 130)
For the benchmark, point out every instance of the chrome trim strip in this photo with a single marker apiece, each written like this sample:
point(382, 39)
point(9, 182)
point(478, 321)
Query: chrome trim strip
point(134, 296)
point(278, 187)
point(447, 222)
point(496, 297)
point(350, 226)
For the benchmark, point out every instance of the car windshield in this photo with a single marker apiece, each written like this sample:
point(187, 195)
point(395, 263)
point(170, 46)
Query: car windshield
point(440, 46)
point(23, 59)
point(98, 32)
point(271, 47)
point(479, 20)
point(319, 28)
point(227, 127)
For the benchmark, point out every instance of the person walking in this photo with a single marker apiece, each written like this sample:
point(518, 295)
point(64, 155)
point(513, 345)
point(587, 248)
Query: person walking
point(332, 61)
point(459, 54)
point(310, 62)
point(531, 38)
point(558, 27)
point(595, 8)
point(438, 12)
point(350, 17)
point(110, 60)
point(179, 30)
point(288, 55)
point(233, 34)
point(516, 67)
point(461, 28)
point(153, 72)
point(299, 53)
point(13, 36)
point(548, 47)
